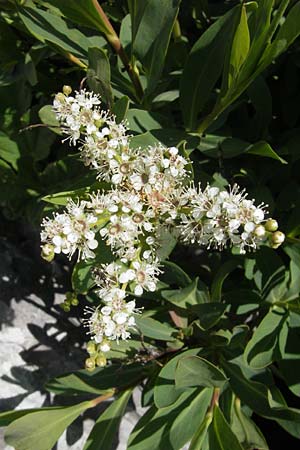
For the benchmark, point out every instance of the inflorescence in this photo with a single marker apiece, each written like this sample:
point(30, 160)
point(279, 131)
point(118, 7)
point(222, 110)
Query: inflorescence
point(150, 193)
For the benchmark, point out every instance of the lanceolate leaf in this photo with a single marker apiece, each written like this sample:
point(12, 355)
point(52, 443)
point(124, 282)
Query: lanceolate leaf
point(99, 381)
point(40, 430)
point(204, 66)
point(98, 74)
point(152, 24)
point(106, 427)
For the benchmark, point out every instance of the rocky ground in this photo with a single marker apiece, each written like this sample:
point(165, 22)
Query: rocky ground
point(39, 341)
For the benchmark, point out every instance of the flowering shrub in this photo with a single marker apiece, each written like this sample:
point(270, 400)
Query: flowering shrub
point(159, 204)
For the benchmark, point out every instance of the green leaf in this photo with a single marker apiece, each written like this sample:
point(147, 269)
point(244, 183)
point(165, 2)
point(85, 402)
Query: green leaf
point(98, 74)
point(204, 66)
point(170, 428)
point(100, 380)
point(262, 148)
point(120, 108)
point(197, 371)
point(40, 430)
point(268, 339)
point(154, 329)
point(245, 429)
point(286, 35)
point(106, 427)
point(8, 417)
point(221, 437)
point(52, 29)
point(166, 242)
point(141, 121)
point(152, 24)
point(201, 434)
point(174, 274)
point(209, 313)
point(48, 117)
point(239, 50)
point(256, 395)
point(165, 391)
point(84, 12)
point(220, 277)
point(9, 151)
point(187, 296)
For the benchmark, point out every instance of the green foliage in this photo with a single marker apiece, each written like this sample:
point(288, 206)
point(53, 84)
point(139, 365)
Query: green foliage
point(218, 343)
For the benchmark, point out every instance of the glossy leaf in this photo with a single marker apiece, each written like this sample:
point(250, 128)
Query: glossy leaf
point(98, 74)
point(197, 371)
point(152, 24)
point(40, 430)
point(187, 296)
point(154, 329)
point(106, 427)
point(165, 391)
point(99, 381)
point(170, 428)
point(209, 313)
point(268, 339)
point(204, 66)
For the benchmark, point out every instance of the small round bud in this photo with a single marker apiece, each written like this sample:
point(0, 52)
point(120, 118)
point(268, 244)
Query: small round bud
point(101, 361)
point(69, 295)
point(67, 90)
point(260, 231)
point(47, 252)
point(75, 301)
point(278, 238)
point(104, 346)
point(91, 348)
point(60, 97)
point(90, 364)
point(66, 307)
point(271, 225)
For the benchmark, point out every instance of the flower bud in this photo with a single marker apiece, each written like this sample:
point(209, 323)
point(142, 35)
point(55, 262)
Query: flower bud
point(260, 231)
point(90, 364)
point(74, 301)
point(60, 97)
point(66, 307)
point(271, 225)
point(278, 238)
point(67, 90)
point(101, 361)
point(47, 252)
point(91, 348)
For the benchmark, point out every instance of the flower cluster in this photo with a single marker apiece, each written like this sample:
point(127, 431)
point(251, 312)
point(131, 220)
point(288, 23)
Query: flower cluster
point(150, 192)
point(217, 218)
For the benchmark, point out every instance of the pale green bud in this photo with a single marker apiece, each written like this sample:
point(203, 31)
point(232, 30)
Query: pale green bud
point(48, 252)
point(278, 238)
point(271, 225)
point(101, 361)
point(90, 364)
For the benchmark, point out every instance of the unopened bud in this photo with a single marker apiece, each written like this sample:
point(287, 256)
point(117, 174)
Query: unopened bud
point(60, 97)
point(47, 252)
point(66, 307)
point(67, 90)
point(75, 301)
point(278, 238)
point(90, 364)
point(91, 348)
point(101, 361)
point(271, 225)
point(260, 231)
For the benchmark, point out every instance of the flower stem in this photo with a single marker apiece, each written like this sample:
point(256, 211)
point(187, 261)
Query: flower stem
point(115, 42)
